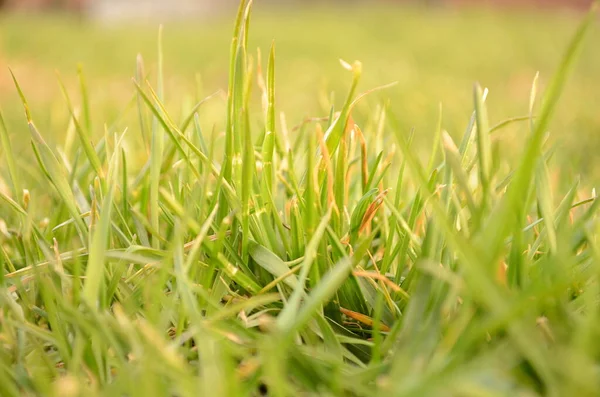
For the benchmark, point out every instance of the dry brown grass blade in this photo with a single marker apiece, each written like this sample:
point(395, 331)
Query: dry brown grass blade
point(372, 210)
point(381, 277)
point(364, 319)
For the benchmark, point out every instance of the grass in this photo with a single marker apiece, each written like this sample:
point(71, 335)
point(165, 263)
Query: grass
point(171, 259)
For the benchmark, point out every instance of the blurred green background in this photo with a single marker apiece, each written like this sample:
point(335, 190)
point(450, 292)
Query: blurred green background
point(435, 53)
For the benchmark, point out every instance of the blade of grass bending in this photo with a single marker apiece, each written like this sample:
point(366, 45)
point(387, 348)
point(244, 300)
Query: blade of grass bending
point(177, 136)
point(336, 130)
point(484, 149)
point(194, 112)
point(83, 134)
point(237, 275)
point(140, 76)
point(200, 136)
point(246, 26)
point(248, 304)
point(53, 169)
point(13, 203)
point(271, 263)
point(167, 124)
point(508, 122)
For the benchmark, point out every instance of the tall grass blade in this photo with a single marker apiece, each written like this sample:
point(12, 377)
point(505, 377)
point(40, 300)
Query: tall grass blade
point(10, 159)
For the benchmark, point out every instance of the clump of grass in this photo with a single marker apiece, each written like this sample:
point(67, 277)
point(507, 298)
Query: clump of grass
point(298, 262)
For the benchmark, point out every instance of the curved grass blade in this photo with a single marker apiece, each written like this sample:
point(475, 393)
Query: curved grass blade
point(82, 133)
point(55, 172)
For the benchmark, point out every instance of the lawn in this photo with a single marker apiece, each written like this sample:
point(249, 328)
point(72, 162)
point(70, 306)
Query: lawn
point(276, 239)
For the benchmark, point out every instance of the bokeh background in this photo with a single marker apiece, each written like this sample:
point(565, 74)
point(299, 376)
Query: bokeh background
point(434, 49)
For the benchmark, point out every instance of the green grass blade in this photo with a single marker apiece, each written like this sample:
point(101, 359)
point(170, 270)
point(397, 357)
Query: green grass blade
point(83, 133)
point(269, 140)
point(272, 263)
point(95, 276)
point(484, 149)
point(156, 153)
point(334, 133)
point(229, 133)
point(10, 159)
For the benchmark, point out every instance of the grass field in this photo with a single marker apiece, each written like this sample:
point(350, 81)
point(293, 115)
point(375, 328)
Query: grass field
point(434, 55)
point(156, 244)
